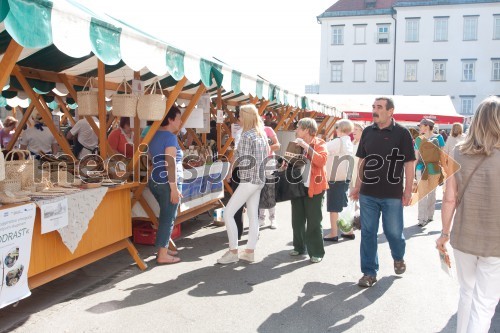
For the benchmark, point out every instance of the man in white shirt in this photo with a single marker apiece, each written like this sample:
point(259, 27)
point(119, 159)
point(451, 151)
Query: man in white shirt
point(83, 132)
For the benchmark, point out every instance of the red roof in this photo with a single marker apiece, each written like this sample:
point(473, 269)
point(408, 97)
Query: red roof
point(348, 5)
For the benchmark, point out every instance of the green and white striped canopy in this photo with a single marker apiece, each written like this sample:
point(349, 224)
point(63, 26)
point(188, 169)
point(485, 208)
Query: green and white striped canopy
point(64, 36)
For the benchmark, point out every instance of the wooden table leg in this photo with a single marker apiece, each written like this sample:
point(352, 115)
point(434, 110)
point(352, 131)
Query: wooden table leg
point(133, 252)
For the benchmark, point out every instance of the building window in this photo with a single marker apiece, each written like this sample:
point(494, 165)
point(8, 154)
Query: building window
point(359, 71)
point(383, 33)
point(440, 29)
point(382, 71)
point(337, 34)
point(439, 70)
point(412, 29)
point(470, 27)
point(496, 27)
point(495, 69)
point(360, 34)
point(411, 70)
point(468, 70)
point(336, 71)
point(467, 103)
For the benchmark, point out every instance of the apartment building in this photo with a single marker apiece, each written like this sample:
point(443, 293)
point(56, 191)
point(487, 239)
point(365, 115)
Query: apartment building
point(432, 47)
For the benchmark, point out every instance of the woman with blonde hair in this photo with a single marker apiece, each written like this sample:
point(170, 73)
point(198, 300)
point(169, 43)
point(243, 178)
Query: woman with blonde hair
point(249, 157)
point(338, 164)
point(456, 136)
point(470, 211)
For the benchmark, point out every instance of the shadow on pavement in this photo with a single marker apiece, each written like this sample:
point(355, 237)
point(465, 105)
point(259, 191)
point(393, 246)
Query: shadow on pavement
point(217, 280)
point(322, 306)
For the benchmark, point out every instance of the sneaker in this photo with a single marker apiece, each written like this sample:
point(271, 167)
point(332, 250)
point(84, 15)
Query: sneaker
point(399, 267)
point(367, 281)
point(294, 253)
point(315, 260)
point(228, 258)
point(262, 223)
point(422, 223)
point(247, 256)
point(274, 224)
point(331, 239)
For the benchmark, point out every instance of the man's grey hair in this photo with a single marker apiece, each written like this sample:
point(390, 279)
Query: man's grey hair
point(308, 124)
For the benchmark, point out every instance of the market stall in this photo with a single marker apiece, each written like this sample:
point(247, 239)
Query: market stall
point(43, 61)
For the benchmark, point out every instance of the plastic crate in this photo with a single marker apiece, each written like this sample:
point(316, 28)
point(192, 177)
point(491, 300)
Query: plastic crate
point(144, 233)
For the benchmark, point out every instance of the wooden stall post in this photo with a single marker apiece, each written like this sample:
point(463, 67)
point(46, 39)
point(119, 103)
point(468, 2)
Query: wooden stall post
point(137, 135)
point(9, 61)
point(101, 103)
point(20, 126)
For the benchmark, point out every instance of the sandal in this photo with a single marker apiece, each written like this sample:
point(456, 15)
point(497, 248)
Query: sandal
point(170, 260)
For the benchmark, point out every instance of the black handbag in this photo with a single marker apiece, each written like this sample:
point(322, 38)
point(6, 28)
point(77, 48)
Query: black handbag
point(289, 185)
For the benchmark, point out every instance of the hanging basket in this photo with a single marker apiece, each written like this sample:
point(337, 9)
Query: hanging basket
point(21, 169)
point(124, 105)
point(152, 106)
point(87, 100)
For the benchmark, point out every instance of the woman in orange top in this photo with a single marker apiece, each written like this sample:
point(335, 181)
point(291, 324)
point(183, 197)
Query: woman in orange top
point(315, 181)
point(121, 140)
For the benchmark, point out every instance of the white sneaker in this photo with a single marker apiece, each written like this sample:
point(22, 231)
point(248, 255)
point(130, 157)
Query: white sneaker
point(228, 258)
point(262, 223)
point(274, 224)
point(247, 256)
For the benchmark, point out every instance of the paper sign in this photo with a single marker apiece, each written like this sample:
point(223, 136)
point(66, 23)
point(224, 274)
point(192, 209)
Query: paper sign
point(220, 116)
point(204, 104)
point(195, 119)
point(137, 87)
point(16, 230)
point(54, 214)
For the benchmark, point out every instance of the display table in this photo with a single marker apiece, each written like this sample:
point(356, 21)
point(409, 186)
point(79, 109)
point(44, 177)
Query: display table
point(108, 232)
point(202, 189)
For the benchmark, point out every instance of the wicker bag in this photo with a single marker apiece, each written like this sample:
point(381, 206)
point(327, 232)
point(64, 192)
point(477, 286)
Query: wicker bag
point(21, 169)
point(124, 105)
point(152, 106)
point(87, 100)
point(12, 185)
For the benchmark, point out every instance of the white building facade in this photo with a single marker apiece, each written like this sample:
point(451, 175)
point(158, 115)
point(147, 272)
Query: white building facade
point(440, 47)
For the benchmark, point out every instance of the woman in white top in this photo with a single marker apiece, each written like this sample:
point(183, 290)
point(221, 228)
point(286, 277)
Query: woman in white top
point(356, 133)
point(338, 165)
point(456, 136)
point(38, 139)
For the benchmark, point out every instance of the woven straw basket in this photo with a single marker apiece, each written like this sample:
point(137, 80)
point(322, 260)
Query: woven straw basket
point(152, 106)
point(21, 169)
point(87, 100)
point(2, 166)
point(13, 185)
point(124, 105)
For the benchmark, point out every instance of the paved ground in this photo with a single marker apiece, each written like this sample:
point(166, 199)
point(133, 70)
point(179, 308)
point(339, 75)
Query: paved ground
point(276, 294)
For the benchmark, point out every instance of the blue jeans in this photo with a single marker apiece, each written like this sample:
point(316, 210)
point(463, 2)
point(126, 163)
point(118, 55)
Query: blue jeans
point(392, 223)
point(168, 212)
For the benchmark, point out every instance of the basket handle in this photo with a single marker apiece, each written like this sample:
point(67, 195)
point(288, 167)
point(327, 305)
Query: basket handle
point(152, 87)
point(125, 84)
point(18, 152)
point(90, 83)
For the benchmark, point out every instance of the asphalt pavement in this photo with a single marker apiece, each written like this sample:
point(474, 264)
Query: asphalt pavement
point(277, 293)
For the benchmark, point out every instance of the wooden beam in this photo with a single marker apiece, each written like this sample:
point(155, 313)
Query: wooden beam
point(292, 118)
point(226, 146)
point(20, 126)
point(329, 128)
point(9, 60)
point(137, 134)
point(262, 107)
point(65, 110)
point(101, 102)
point(148, 210)
point(323, 123)
point(284, 118)
point(43, 110)
point(219, 129)
point(69, 86)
